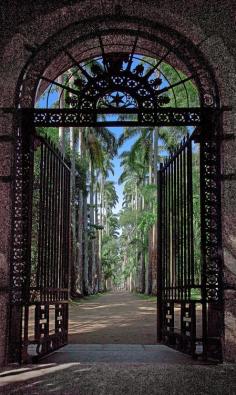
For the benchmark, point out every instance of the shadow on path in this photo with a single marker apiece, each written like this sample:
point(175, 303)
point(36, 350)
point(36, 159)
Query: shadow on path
point(113, 318)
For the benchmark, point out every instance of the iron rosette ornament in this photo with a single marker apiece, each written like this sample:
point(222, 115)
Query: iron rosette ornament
point(119, 82)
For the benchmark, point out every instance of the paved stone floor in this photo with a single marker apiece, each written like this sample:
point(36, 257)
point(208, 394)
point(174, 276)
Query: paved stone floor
point(120, 353)
point(107, 363)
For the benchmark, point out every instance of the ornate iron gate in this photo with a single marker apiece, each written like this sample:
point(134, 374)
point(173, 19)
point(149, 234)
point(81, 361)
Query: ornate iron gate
point(41, 253)
point(187, 318)
point(190, 286)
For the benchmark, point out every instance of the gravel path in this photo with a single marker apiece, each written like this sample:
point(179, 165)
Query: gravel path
point(120, 318)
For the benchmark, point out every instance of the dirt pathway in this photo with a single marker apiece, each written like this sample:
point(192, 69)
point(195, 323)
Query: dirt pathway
point(113, 318)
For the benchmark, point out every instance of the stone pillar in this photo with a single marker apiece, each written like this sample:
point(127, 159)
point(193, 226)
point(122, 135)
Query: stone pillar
point(6, 191)
point(229, 233)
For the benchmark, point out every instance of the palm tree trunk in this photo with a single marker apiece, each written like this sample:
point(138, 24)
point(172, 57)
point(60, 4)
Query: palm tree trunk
point(61, 128)
point(75, 271)
point(96, 247)
point(80, 223)
point(142, 256)
point(74, 263)
point(142, 271)
point(80, 241)
point(148, 289)
point(85, 244)
point(83, 231)
point(100, 234)
point(154, 230)
point(137, 277)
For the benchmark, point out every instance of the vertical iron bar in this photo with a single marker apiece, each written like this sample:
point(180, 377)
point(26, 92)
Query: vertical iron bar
point(159, 255)
point(184, 220)
point(178, 227)
point(175, 225)
point(172, 230)
point(68, 286)
point(60, 274)
point(190, 218)
point(167, 234)
point(181, 223)
point(46, 208)
point(65, 246)
point(58, 226)
point(55, 159)
point(49, 224)
point(41, 211)
point(51, 237)
point(56, 229)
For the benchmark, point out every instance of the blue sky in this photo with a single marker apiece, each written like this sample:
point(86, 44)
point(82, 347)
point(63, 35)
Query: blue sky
point(117, 168)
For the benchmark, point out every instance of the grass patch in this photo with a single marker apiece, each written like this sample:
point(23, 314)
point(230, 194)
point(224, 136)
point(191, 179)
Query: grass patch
point(150, 298)
point(86, 299)
point(195, 293)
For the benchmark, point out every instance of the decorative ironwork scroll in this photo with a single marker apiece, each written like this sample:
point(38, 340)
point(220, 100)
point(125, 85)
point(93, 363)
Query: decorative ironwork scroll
point(211, 242)
point(76, 117)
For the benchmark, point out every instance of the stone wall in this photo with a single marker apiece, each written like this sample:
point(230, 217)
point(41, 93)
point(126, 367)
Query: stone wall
point(27, 26)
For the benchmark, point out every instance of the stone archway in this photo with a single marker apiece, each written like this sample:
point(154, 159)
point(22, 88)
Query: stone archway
point(45, 53)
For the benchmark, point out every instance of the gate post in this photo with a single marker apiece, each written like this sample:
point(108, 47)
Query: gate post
point(21, 239)
point(211, 239)
point(159, 255)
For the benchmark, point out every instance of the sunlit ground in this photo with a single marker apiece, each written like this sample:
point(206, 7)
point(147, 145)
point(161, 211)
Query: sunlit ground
point(113, 318)
point(120, 318)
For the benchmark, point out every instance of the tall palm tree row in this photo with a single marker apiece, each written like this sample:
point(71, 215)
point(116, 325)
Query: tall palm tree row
point(106, 246)
point(93, 196)
point(138, 218)
point(140, 168)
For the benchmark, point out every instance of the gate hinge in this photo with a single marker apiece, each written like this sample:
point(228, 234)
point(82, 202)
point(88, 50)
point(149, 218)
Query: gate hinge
point(230, 176)
point(5, 138)
point(228, 136)
point(6, 179)
point(226, 108)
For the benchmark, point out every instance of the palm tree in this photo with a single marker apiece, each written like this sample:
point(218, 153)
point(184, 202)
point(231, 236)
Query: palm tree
point(94, 142)
point(141, 165)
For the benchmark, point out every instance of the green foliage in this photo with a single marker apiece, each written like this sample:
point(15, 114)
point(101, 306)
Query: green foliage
point(128, 217)
point(149, 192)
point(110, 257)
point(146, 221)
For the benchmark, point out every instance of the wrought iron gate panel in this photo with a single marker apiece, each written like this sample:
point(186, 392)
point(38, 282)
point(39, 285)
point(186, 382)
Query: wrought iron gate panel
point(50, 255)
point(177, 262)
point(40, 270)
point(190, 288)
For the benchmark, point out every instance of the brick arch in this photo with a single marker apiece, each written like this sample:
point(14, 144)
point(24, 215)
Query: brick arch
point(175, 49)
point(50, 59)
point(39, 24)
